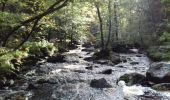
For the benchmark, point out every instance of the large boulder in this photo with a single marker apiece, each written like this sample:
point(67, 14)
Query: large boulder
point(132, 78)
point(159, 72)
point(107, 55)
point(100, 83)
point(122, 48)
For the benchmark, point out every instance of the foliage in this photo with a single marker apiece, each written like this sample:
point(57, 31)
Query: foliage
point(6, 65)
point(40, 49)
point(159, 54)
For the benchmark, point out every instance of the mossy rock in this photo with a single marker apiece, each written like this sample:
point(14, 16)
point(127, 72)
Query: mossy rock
point(132, 78)
point(162, 87)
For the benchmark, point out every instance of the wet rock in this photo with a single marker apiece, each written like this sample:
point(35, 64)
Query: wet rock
point(108, 71)
point(138, 55)
point(72, 46)
point(162, 87)
point(120, 66)
point(31, 87)
point(31, 60)
point(100, 83)
point(57, 58)
point(62, 49)
point(132, 78)
point(122, 48)
point(102, 54)
point(80, 71)
point(10, 82)
point(42, 81)
point(129, 59)
point(159, 73)
point(80, 57)
point(87, 44)
point(123, 60)
point(115, 58)
point(89, 59)
point(91, 49)
point(2, 81)
point(102, 61)
point(134, 63)
point(134, 50)
point(89, 68)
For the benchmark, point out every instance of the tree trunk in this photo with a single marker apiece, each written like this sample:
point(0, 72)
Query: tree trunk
point(116, 19)
point(29, 35)
point(3, 6)
point(101, 25)
point(110, 24)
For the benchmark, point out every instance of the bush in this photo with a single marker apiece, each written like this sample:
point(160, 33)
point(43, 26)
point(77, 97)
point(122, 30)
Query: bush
point(6, 65)
point(161, 53)
point(40, 49)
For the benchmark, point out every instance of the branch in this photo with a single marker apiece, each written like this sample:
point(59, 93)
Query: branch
point(29, 35)
point(50, 10)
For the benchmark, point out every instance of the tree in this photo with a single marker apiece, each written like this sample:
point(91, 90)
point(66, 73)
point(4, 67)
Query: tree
point(56, 6)
point(101, 24)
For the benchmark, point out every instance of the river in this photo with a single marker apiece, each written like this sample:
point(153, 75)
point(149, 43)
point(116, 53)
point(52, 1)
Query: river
point(71, 80)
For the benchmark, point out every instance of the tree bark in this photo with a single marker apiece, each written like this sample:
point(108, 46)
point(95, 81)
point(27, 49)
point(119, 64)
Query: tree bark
point(3, 6)
point(29, 35)
point(101, 25)
point(110, 24)
point(116, 19)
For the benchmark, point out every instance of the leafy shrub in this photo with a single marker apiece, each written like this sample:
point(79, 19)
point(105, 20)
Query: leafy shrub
point(159, 53)
point(165, 37)
point(42, 48)
point(6, 66)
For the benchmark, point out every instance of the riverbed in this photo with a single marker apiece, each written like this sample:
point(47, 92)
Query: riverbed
point(71, 80)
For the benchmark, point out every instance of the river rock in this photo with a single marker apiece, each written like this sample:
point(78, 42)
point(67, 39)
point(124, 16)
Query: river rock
point(32, 86)
point(115, 58)
point(87, 44)
point(89, 68)
point(57, 58)
point(102, 61)
point(100, 83)
point(2, 81)
point(122, 48)
point(107, 71)
point(134, 63)
point(90, 49)
point(31, 60)
point(162, 87)
point(89, 59)
point(159, 73)
point(132, 78)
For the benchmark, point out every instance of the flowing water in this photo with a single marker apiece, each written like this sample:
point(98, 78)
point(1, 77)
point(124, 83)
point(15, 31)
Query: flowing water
point(71, 80)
